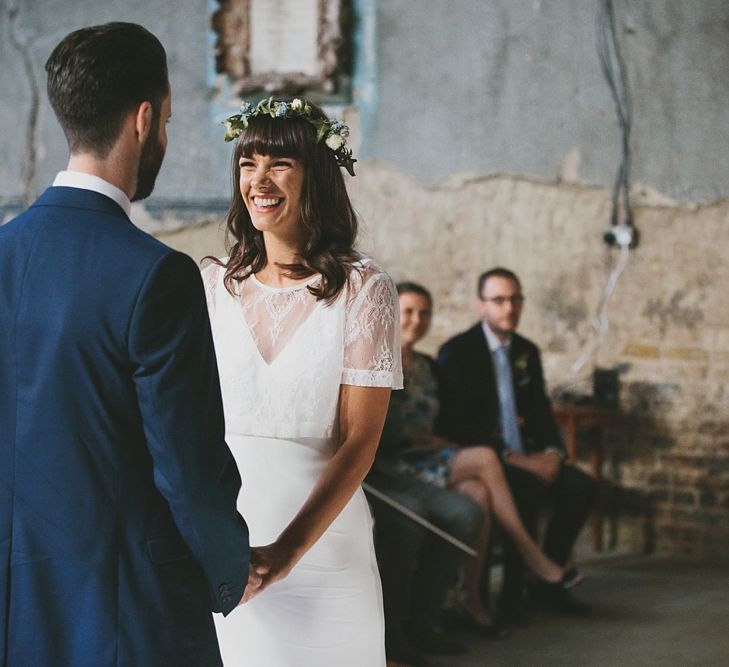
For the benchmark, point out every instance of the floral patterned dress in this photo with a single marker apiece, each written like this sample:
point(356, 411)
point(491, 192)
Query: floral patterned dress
point(408, 434)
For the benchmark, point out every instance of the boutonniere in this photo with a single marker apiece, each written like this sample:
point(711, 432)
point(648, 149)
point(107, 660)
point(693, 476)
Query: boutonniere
point(520, 370)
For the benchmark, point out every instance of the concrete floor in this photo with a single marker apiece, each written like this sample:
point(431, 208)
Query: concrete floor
point(647, 611)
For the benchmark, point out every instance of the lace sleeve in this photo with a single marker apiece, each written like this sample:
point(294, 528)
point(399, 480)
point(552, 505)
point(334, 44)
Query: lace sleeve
point(211, 275)
point(372, 332)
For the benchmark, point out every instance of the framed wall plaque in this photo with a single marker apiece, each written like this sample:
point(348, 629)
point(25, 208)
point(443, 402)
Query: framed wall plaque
point(284, 47)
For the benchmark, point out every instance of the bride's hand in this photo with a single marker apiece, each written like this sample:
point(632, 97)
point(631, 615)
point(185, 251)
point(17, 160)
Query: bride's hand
point(272, 562)
point(253, 586)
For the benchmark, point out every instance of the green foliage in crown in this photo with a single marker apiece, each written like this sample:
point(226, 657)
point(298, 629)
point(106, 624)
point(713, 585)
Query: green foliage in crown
point(334, 133)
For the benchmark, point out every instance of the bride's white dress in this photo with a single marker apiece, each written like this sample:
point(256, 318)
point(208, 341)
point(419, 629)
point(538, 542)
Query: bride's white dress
point(282, 357)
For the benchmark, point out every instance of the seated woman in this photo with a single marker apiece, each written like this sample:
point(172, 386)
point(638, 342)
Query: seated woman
point(410, 448)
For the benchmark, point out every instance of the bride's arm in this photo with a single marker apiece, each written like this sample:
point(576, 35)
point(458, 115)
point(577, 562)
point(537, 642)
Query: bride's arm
point(362, 413)
point(371, 366)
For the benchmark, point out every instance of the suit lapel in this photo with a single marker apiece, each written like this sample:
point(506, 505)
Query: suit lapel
point(483, 367)
point(481, 352)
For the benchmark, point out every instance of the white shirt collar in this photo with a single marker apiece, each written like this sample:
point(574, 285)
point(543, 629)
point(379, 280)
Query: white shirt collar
point(492, 339)
point(78, 179)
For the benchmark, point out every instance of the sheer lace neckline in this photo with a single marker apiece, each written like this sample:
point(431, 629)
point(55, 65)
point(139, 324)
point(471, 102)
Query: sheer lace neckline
point(273, 315)
point(271, 320)
point(288, 288)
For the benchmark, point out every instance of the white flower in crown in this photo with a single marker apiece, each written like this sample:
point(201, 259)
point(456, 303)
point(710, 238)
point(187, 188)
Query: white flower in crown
point(334, 141)
point(297, 104)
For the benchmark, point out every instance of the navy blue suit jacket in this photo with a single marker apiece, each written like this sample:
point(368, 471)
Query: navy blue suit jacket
point(118, 525)
point(470, 412)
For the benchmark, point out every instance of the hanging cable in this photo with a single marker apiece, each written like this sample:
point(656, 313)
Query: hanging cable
point(600, 322)
point(621, 232)
point(614, 71)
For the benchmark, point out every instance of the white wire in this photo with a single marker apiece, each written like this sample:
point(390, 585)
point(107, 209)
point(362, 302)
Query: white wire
point(600, 323)
point(614, 70)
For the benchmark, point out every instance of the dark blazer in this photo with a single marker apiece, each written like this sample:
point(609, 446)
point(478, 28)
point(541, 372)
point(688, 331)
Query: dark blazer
point(470, 400)
point(118, 525)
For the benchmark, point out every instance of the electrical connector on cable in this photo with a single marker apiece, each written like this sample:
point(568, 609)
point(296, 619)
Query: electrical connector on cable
point(623, 236)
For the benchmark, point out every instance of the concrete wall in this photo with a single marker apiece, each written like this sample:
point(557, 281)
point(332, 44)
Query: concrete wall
point(516, 88)
point(195, 173)
point(446, 87)
point(487, 135)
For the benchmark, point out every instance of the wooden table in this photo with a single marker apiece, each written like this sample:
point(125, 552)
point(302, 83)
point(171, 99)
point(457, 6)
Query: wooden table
point(573, 418)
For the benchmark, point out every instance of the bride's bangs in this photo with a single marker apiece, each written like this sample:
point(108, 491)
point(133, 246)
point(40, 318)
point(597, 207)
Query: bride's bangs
point(277, 137)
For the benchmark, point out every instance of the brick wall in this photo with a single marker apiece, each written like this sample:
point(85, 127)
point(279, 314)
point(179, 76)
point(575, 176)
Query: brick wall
point(668, 320)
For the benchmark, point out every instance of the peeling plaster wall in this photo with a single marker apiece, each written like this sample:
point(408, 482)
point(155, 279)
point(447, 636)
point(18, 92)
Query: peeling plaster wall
point(669, 322)
point(668, 459)
point(490, 138)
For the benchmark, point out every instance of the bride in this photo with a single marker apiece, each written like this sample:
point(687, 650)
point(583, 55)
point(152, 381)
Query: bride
point(306, 336)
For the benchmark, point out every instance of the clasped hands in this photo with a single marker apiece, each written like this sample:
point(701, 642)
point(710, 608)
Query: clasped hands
point(268, 564)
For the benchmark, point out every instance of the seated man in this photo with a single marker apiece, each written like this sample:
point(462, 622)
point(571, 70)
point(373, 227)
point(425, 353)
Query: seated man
point(493, 392)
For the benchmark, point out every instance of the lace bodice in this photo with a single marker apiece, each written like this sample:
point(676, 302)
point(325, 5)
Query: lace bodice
point(282, 355)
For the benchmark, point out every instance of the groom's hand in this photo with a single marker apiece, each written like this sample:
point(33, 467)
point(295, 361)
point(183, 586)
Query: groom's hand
point(272, 562)
point(253, 586)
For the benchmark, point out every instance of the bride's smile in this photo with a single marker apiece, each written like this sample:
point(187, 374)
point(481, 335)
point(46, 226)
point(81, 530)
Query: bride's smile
point(271, 189)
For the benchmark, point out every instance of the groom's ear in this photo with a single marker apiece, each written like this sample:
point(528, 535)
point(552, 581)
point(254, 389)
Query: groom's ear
point(143, 121)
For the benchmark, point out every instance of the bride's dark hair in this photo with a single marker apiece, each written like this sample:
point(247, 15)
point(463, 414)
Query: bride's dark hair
point(326, 212)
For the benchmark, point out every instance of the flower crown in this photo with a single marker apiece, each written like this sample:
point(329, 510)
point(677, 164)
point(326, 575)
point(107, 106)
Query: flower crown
point(334, 132)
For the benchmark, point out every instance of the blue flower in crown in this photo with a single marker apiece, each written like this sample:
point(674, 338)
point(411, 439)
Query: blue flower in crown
point(247, 108)
point(337, 125)
point(282, 110)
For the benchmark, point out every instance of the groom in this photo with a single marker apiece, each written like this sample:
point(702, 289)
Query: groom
point(118, 525)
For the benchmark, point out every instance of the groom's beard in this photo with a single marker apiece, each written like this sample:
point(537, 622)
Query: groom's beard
point(150, 163)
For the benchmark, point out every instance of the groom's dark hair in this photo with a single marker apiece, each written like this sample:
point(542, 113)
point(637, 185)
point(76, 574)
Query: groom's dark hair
point(97, 75)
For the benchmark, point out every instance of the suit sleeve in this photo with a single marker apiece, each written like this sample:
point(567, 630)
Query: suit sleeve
point(178, 391)
point(548, 432)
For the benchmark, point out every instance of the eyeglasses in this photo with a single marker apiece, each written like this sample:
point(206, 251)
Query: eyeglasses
point(515, 300)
